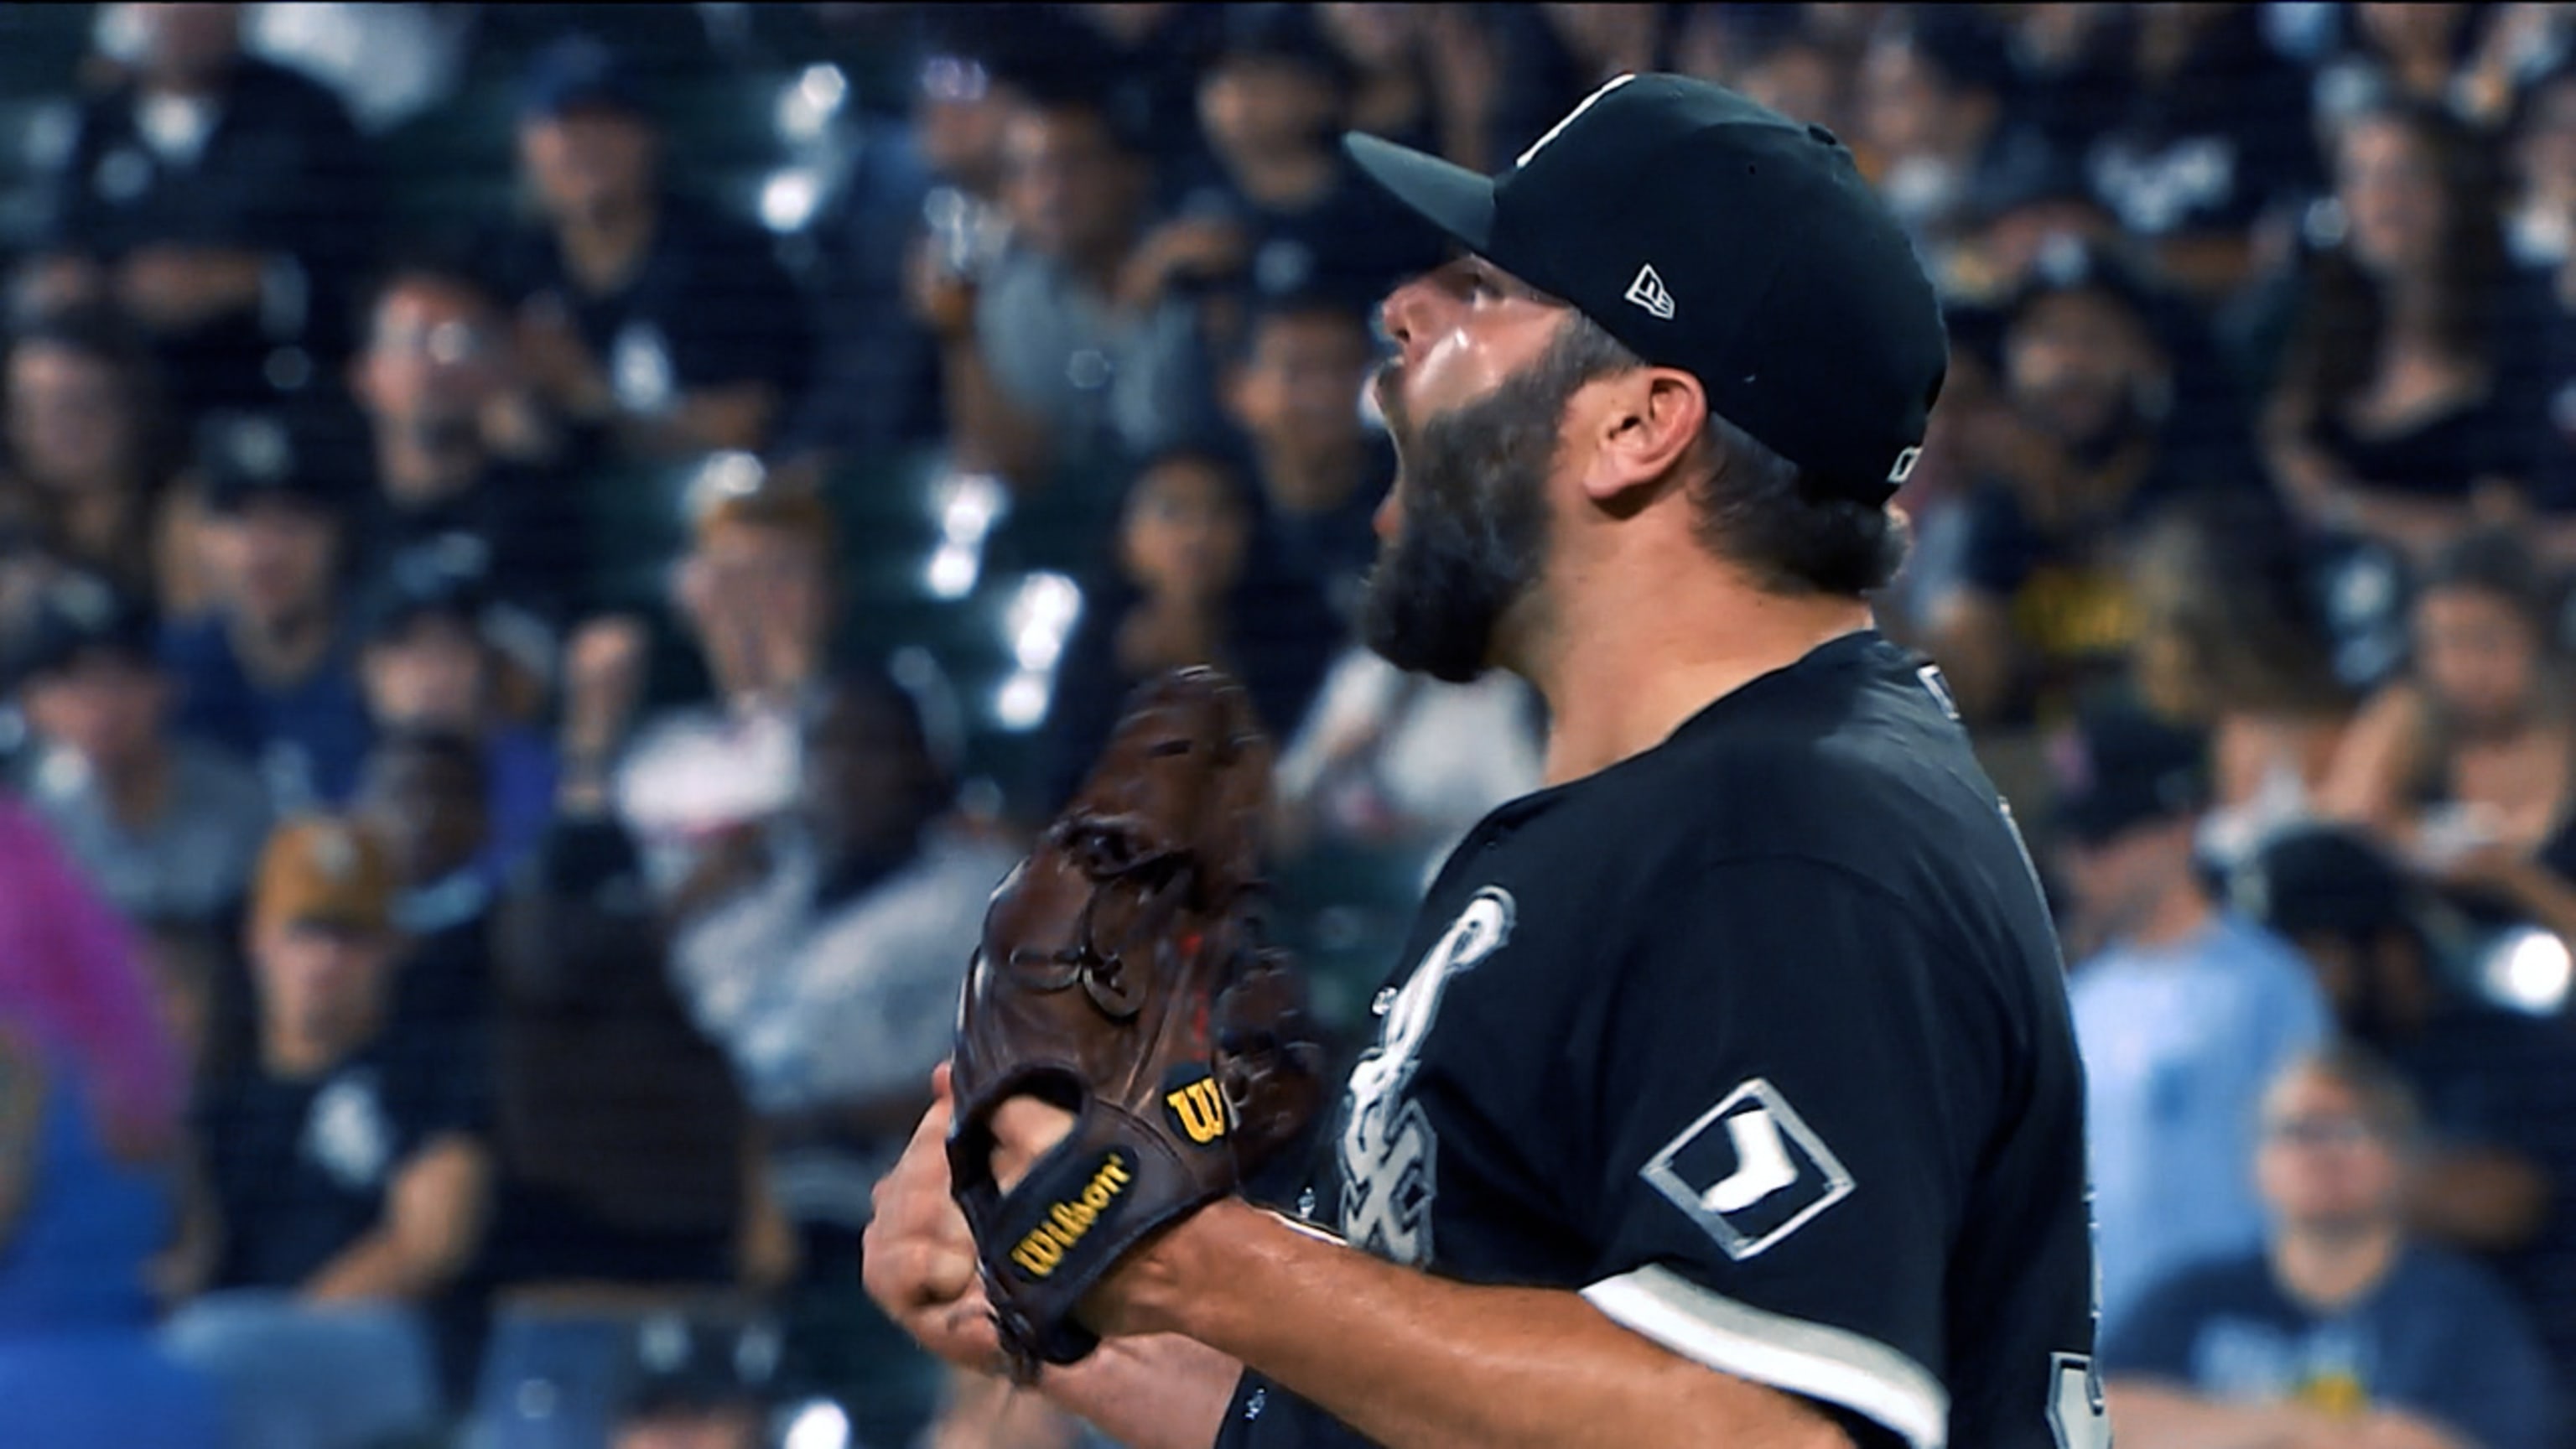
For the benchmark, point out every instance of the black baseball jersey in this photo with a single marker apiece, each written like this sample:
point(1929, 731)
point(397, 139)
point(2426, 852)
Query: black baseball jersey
point(1758, 1040)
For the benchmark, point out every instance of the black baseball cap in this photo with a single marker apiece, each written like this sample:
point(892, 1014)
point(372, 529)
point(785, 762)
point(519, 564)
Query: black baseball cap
point(580, 72)
point(80, 618)
point(1717, 236)
point(305, 462)
point(2118, 767)
point(446, 577)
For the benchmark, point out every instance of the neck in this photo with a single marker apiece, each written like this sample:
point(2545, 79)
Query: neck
point(283, 651)
point(293, 1054)
point(138, 787)
point(416, 471)
point(1620, 675)
point(1285, 176)
point(2182, 913)
point(2414, 304)
point(604, 245)
point(2326, 1269)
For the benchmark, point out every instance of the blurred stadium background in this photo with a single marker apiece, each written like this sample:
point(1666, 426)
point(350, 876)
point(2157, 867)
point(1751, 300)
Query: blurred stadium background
point(551, 555)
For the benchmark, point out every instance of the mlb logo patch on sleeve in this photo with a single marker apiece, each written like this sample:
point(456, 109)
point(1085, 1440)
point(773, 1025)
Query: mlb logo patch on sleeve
point(1750, 1172)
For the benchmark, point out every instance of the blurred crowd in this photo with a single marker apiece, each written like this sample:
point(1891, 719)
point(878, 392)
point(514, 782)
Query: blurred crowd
point(551, 557)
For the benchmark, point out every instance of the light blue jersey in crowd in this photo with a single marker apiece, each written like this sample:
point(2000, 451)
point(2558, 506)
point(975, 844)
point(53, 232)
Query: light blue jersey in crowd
point(2179, 1042)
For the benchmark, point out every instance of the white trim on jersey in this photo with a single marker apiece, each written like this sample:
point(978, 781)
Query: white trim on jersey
point(1833, 1364)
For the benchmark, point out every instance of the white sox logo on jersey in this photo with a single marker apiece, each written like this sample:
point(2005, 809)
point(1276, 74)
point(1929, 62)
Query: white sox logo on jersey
point(1389, 1157)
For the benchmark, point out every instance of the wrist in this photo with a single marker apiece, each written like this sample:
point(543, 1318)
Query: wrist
point(1172, 1286)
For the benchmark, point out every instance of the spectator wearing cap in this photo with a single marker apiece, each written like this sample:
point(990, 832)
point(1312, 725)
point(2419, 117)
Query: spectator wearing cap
point(1074, 351)
point(442, 655)
point(268, 672)
point(1273, 97)
point(1295, 394)
point(423, 794)
point(1933, 107)
point(2035, 609)
point(640, 310)
point(2466, 765)
point(164, 826)
point(224, 202)
point(345, 1166)
point(2498, 1088)
point(2395, 417)
point(2340, 1330)
point(86, 463)
point(462, 448)
point(758, 595)
point(2184, 1011)
point(2207, 136)
point(826, 957)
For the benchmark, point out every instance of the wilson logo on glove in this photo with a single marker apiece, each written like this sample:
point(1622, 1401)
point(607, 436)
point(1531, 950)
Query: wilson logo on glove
point(1067, 1223)
point(1198, 1108)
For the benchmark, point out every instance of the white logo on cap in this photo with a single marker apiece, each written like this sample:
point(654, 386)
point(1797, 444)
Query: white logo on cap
point(1648, 292)
point(1541, 143)
point(1904, 468)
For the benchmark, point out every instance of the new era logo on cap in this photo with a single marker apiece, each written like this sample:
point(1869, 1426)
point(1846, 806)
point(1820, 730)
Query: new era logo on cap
point(1648, 292)
point(1812, 326)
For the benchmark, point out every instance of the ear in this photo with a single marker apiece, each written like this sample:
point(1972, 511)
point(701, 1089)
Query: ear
point(1642, 426)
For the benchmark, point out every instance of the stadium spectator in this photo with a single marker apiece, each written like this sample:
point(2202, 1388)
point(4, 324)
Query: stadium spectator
point(640, 310)
point(2340, 1330)
point(1194, 580)
point(423, 794)
point(2208, 138)
point(268, 672)
point(87, 458)
point(1073, 351)
point(2543, 158)
point(827, 960)
point(2184, 1010)
point(2231, 642)
point(345, 1166)
point(462, 449)
point(1296, 396)
point(89, 1099)
point(440, 655)
point(2393, 417)
point(2467, 765)
point(1390, 760)
point(2038, 611)
point(1272, 99)
point(626, 1160)
point(758, 593)
point(164, 827)
point(1931, 104)
point(224, 202)
point(933, 180)
point(2497, 1167)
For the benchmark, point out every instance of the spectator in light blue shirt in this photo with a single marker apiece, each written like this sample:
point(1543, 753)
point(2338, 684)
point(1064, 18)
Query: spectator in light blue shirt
point(2183, 1015)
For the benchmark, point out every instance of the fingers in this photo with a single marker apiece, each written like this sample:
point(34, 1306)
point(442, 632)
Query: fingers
point(942, 1093)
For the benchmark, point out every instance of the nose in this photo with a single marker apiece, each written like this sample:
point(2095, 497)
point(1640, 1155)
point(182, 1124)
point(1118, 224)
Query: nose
point(1402, 315)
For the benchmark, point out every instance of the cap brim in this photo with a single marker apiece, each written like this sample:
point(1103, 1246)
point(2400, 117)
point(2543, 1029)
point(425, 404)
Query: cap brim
point(1443, 193)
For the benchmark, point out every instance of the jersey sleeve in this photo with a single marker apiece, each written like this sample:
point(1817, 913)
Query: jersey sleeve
point(1795, 1090)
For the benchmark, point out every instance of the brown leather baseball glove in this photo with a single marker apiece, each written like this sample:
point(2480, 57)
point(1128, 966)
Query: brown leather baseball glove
point(1123, 977)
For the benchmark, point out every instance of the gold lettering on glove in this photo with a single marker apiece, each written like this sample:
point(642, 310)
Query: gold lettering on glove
point(1041, 1250)
point(1200, 1110)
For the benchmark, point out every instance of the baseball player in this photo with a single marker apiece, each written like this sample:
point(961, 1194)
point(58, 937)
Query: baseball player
point(1724, 1094)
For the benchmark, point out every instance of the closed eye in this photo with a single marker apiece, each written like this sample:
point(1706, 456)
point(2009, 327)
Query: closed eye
point(1168, 747)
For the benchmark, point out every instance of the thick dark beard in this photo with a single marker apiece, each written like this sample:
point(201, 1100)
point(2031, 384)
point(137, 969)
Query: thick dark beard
point(1474, 526)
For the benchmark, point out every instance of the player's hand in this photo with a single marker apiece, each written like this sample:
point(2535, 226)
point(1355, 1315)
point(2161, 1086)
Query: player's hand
point(1123, 1305)
point(919, 1258)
